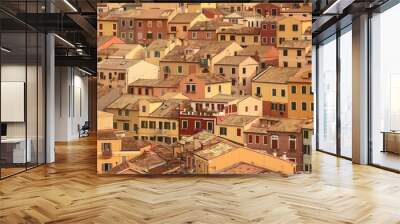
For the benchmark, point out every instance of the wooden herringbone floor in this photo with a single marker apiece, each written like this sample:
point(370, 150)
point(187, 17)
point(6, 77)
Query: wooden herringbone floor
point(69, 191)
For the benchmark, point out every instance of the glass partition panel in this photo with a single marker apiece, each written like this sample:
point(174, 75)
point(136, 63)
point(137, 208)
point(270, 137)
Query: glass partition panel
point(327, 95)
point(385, 89)
point(346, 92)
point(14, 153)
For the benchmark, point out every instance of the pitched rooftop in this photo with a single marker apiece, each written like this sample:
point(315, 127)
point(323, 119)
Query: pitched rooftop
point(117, 63)
point(276, 75)
point(184, 17)
point(237, 120)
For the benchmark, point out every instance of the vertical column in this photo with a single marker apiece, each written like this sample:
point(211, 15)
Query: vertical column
point(360, 89)
point(50, 98)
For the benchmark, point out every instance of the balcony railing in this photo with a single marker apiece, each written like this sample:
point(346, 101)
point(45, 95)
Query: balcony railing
point(202, 113)
point(106, 154)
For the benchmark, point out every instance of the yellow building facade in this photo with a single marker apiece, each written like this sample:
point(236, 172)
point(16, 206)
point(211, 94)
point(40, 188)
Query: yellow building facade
point(107, 26)
point(300, 97)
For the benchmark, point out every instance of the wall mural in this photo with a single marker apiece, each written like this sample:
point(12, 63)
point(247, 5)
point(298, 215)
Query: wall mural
point(204, 88)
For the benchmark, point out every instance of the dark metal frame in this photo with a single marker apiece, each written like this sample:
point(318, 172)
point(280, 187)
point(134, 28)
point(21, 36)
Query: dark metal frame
point(338, 33)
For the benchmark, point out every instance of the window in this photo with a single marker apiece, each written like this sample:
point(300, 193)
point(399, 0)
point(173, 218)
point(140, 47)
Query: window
point(143, 124)
point(180, 69)
point(190, 88)
point(273, 12)
point(244, 70)
point(293, 105)
point(257, 139)
point(121, 76)
point(222, 37)
point(282, 107)
point(106, 148)
point(160, 125)
point(184, 28)
point(123, 35)
point(139, 24)
point(167, 125)
point(244, 81)
point(238, 132)
point(126, 126)
point(283, 92)
point(298, 64)
point(304, 106)
point(232, 38)
point(173, 28)
point(152, 124)
point(210, 125)
point(264, 26)
point(220, 88)
point(304, 89)
point(100, 26)
point(285, 64)
point(115, 125)
point(265, 139)
point(131, 23)
point(126, 112)
point(184, 124)
point(157, 54)
point(274, 142)
point(246, 109)
point(149, 24)
point(159, 24)
point(258, 91)
point(194, 35)
point(255, 108)
point(233, 71)
point(233, 82)
point(222, 131)
point(295, 27)
point(131, 35)
point(264, 40)
point(106, 167)
point(292, 143)
point(272, 26)
point(173, 126)
point(255, 39)
point(298, 52)
point(273, 106)
point(281, 27)
point(149, 35)
point(197, 124)
point(281, 40)
point(305, 135)
point(327, 96)
point(143, 108)
point(159, 35)
point(273, 92)
point(285, 52)
point(250, 139)
point(293, 88)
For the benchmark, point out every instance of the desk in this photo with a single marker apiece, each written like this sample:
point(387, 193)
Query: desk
point(13, 150)
point(391, 141)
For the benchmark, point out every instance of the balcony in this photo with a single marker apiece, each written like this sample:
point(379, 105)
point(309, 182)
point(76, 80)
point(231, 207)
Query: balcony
point(106, 154)
point(202, 113)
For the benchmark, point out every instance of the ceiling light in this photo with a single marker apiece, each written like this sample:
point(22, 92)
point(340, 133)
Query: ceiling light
point(70, 5)
point(64, 40)
point(5, 49)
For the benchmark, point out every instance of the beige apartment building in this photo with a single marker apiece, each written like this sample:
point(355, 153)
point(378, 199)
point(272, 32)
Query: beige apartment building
point(240, 70)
